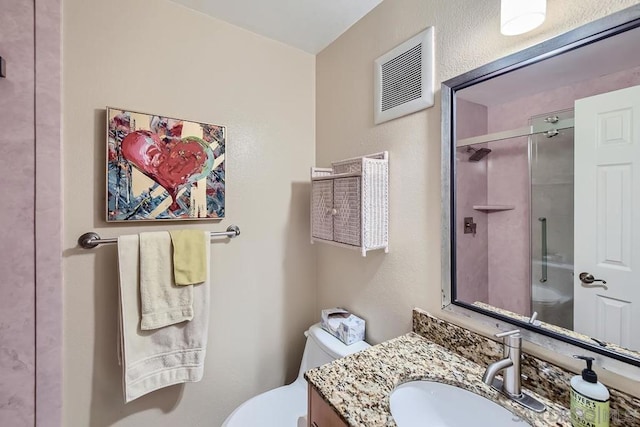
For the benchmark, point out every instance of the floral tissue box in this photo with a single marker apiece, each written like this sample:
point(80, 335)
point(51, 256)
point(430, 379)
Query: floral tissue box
point(343, 325)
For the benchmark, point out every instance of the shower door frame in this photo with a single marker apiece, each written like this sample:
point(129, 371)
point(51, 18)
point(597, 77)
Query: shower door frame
point(536, 130)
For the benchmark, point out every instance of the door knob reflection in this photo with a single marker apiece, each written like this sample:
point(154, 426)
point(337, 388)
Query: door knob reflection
point(587, 278)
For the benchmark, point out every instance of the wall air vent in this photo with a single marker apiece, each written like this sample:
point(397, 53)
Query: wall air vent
point(404, 78)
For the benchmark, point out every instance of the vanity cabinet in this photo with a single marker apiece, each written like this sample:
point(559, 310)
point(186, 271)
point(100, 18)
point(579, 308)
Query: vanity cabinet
point(350, 203)
point(320, 413)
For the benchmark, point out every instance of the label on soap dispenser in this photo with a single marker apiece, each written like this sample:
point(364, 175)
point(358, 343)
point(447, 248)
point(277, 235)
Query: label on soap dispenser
point(586, 412)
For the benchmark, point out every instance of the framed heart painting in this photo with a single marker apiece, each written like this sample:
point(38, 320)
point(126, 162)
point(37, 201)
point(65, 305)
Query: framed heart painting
point(160, 168)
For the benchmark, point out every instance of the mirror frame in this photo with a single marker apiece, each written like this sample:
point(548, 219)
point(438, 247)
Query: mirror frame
point(602, 28)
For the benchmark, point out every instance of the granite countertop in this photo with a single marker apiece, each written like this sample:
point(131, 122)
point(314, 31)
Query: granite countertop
point(358, 386)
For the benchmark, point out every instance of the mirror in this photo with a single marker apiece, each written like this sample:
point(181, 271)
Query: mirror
point(540, 196)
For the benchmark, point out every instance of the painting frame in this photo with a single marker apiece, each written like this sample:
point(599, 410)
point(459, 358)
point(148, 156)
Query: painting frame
point(161, 168)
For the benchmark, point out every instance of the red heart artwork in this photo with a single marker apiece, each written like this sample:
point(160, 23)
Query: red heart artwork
point(171, 164)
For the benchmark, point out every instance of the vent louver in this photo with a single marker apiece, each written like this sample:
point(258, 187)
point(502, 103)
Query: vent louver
point(404, 78)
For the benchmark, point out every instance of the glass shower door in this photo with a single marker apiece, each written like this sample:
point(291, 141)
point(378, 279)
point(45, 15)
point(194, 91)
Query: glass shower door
point(552, 182)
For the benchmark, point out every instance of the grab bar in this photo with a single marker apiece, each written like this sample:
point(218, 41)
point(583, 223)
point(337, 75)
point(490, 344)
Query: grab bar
point(91, 240)
point(543, 254)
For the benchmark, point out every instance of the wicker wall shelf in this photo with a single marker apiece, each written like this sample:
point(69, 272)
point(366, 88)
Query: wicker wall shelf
point(350, 203)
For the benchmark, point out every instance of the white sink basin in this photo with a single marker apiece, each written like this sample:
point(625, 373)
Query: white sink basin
point(433, 404)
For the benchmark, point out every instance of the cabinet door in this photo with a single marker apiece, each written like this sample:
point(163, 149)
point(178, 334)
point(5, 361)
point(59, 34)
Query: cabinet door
point(346, 202)
point(320, 413)
point(321, 209)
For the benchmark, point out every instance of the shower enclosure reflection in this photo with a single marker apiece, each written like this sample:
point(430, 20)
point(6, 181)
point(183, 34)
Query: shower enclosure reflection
point(519, 184)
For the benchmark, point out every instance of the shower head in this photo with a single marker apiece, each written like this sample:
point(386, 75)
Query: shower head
point(478, 154)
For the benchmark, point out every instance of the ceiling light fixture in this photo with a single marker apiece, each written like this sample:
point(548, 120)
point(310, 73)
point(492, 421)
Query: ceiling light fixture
point(520, 16)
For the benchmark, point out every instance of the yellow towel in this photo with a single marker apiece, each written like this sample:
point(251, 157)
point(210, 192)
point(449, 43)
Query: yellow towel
point(189, 256)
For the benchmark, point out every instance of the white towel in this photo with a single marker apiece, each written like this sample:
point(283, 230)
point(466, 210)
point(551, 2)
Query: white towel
point(163, 303)
point(161, 357)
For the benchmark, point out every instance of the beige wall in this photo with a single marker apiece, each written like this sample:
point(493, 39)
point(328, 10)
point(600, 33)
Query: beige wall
point(162, 58)
point(384, 288)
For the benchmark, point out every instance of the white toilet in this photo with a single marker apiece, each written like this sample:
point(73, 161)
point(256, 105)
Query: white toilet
point(552, 305)
point(287, 406)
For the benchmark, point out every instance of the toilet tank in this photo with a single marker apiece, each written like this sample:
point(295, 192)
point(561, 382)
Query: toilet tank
point(322, 347)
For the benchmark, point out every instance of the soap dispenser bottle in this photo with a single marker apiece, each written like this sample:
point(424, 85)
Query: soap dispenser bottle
point(589, 399)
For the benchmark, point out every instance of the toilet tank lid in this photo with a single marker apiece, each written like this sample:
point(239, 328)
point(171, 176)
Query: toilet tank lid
point(332, 345)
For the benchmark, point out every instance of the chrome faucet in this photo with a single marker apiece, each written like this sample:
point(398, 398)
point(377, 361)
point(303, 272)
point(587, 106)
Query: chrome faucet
point(510, 384)
point(512, 347)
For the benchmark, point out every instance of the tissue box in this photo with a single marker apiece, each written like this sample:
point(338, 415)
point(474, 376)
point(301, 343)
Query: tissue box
point(343, 325)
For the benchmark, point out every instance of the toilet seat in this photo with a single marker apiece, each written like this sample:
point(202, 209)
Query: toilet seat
point(282, 406)
point(548, 296)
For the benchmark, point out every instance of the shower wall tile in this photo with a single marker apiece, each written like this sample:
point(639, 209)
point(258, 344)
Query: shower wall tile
point(471, 119)
point(508, 243)
point(48, 215)
point(471, 189)
point(471, 250)
point(17, 320)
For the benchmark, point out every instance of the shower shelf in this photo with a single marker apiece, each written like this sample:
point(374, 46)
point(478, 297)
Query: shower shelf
point(493, 208)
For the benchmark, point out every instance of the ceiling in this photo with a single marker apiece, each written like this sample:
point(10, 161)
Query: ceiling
point(309, 25)
point(613, 54)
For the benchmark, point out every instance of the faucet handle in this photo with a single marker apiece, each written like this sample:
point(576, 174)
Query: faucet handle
point(511, 339)
point(507, 333)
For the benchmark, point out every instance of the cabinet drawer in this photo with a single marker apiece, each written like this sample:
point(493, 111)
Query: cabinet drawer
point(320, 413)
